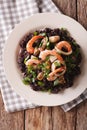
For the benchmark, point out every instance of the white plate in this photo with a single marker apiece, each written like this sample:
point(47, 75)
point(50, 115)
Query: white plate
point(38, 21)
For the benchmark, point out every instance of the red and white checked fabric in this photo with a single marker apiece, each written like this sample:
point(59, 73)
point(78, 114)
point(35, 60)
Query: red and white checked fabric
point(11, 13)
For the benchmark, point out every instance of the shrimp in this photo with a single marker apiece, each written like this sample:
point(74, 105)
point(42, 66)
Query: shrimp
point(32, 61)
point(64, 44)
point(53, 75)
point(45, 53)
point(29, 46)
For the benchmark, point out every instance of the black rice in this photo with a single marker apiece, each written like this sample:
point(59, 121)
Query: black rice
point(72, 62)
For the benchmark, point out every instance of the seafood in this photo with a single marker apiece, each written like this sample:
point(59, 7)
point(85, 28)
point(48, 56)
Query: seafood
point(40, 76)
point(45, 53)
point(56, 73)
point(56, 64)
point(63, 44)
point(44, 42)
point(29, 46)
point(53, 58)
point(36, 51)
point(54, 39)
point(32, 61)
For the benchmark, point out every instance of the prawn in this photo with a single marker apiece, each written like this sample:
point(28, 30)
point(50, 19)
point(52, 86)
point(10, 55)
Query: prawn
point(54, 74)
point(29, 46)
point(64, 44)
point(45, 53)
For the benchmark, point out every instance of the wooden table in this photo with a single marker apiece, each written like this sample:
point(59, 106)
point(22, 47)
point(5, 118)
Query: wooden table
point(51, 118)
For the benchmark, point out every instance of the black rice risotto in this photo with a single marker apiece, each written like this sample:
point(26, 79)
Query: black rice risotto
point(49, 59)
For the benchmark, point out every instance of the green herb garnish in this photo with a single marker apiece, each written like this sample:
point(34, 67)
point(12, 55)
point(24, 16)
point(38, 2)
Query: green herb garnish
point(56, 82)
point(57, 64)
point(35, 33)
point(40, 83)
point(26, 80)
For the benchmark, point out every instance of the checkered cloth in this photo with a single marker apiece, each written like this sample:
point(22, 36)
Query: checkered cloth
point(11, 13)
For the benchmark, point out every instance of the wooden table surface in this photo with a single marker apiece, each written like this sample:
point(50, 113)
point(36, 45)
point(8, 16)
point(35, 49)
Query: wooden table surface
point(51, 118)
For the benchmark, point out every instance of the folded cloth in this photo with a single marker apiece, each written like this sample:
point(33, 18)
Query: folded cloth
point(11, 13)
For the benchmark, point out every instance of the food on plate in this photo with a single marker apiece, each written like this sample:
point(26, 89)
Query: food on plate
point(49, 59)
